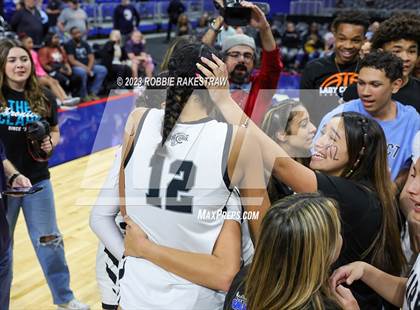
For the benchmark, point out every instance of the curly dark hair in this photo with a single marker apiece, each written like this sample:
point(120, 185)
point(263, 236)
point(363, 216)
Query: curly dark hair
point(392, 65)
point(182, 64)
point(351, 17)
point(401, 26)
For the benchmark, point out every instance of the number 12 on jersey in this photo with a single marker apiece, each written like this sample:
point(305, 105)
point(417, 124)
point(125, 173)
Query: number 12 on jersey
point(183, 181)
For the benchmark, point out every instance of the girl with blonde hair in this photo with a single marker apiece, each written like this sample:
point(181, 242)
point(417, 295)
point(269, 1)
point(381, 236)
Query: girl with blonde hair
point(299, 241)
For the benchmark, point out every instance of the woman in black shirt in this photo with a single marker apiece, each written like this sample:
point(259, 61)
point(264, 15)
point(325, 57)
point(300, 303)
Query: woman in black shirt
point(349, 165)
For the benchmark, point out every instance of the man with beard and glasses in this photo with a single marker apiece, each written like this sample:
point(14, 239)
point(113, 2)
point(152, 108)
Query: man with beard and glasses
point(325, 79)
point(253, 92)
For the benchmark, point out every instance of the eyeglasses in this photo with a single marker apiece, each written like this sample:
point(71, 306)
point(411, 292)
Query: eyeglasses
point(236, 55)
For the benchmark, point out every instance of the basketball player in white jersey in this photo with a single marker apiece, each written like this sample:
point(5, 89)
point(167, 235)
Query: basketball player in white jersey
point(107, 261)
point(173, 174)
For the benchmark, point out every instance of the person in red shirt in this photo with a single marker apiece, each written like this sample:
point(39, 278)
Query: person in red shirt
point(252, 90)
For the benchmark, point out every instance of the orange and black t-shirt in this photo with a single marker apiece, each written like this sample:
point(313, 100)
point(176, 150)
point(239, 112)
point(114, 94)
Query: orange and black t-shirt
point(323, 83)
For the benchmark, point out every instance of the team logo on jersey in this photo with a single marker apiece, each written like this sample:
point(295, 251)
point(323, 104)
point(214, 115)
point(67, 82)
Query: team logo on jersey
point(239, 302)
point(178, 138)
point(337, 83)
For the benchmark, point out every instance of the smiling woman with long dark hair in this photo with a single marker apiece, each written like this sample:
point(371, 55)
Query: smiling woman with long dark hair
point(349, 165)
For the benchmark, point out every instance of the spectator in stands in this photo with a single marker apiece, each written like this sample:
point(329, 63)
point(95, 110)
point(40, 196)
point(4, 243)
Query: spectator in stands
point(54, 60)
point(28, 20)
point(43, 78)
point(399, 35)
point(290, 45)
point(276, 33)
point(202, 26)
point(54, 9)
point(125, 19)
point(329, 42)
point(313, 45)
point(240, 58)
point(82, 61)
point(372, 29)
point(175, 9)
point(115, 59)
point(326, 78)
point(183, 26)
point(140, 60)
point(380, 76)
point(73, 16)
point(44, 16)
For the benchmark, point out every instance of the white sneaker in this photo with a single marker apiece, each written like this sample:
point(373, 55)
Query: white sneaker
point(73, 305)
point(67, 108)
point(70, 102)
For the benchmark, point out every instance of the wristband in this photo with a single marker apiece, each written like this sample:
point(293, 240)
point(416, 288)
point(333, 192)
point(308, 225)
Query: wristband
point(213, 27)
point(13, 178)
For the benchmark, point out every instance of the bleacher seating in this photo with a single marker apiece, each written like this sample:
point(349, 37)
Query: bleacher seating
point(106, 11)
point(153, 13)
point(91, 11)
point(384, 4)
point(306, 7)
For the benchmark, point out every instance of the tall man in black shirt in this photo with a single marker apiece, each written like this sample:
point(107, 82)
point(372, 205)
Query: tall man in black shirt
point(175, 8)
point(399, 35)
point(29, 21)
point(125, 19)
point(82, 60)
point(325, 79)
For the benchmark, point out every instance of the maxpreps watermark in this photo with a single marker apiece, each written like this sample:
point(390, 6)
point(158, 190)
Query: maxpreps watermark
point(208, 215)
point(170, 81)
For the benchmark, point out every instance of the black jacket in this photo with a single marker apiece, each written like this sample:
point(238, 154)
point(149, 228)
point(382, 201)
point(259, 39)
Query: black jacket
point(31, 24)
point(107, 54)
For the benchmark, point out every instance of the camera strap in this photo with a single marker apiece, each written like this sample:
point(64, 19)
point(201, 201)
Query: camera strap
point(35, 151)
